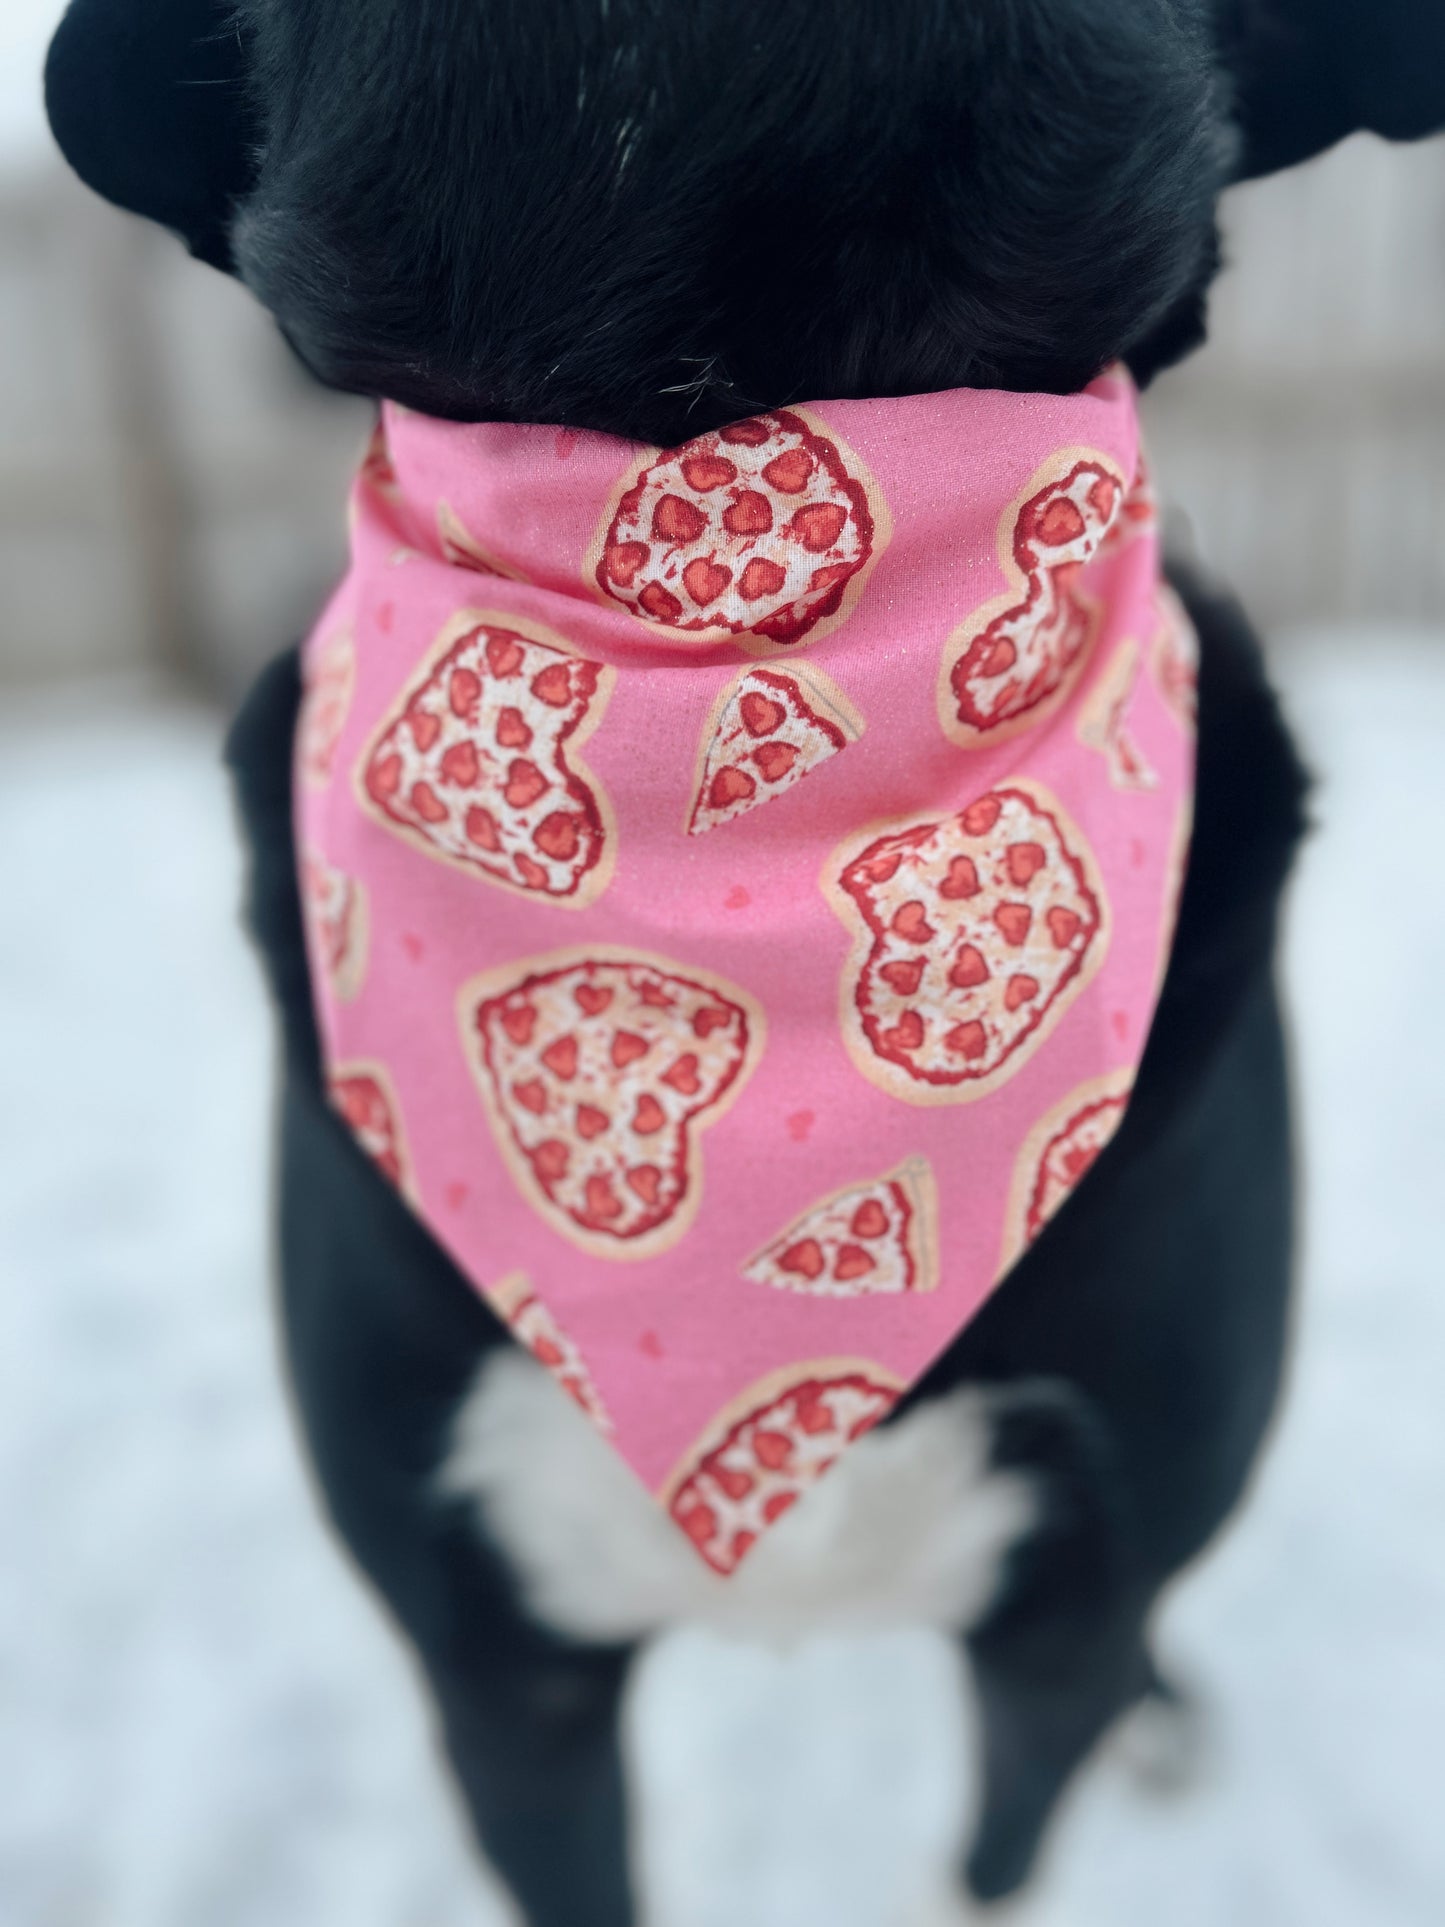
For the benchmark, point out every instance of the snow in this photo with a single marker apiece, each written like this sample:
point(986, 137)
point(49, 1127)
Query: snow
point(202, 1716)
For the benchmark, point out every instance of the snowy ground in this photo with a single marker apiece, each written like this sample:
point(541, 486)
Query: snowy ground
point(202, 1722)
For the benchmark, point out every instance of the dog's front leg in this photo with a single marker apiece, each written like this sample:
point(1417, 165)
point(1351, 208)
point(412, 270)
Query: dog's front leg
point(535, 1748)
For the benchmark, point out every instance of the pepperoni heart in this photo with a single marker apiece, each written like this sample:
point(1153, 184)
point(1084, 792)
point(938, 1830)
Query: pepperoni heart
point(531, 1095)
point(772, 1448)
point(624, 559)
point(969, 968)
point(425, 728)
point(675, 521)
point(427, 804)
point(660, 603)
point(705, 580)
point(464, 692)
point(818, 526)
point(525, 783)
point(870, 1220)
point(748, 514)
point(560, 1057)
point(593, 998)
point(1024, 861)
point(704, 472)
point(760, 714)
point(519, 1021)
point(683, 1075)
point(646, 1181)
point(590, 1121)
point(558, 837)
point(804, 1258)
point(762, 577)
point(627, 1047)
point(553, 686)
point(1063, 925)
point(749, 434)
point(504, 655)
point(903, 977)
point(1059, 523)
point(911, 923)
point(729, 786)
point(481, 828)
point(852, 1262)
point(461, 765)
point(512, 730)
point(649, 1115)
point(969, 1040)
point(961, 881)
point(980, 817)
point(1021, 990)
point(384, 777)
point(602, 1201)
point(775, 760)
point(1014, 920)
point(789, 472)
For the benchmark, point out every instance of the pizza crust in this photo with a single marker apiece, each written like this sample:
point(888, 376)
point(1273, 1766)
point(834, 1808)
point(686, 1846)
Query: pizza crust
point(1104, 1099)
point(859, 483)
point(508, 980)
point(1019, 598)
point(460, 547)
point(870, 946)
point(533, 1326)
point(592, 882)
point(337, 913)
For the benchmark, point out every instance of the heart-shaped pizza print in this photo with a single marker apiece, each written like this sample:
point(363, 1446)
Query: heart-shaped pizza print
point(1020, 654)
point(761, 1455)
point(760, 531)
point(600, 1071)
point(1058, 1153)
point(972, 934)
point(478, 762)
point(767, 730)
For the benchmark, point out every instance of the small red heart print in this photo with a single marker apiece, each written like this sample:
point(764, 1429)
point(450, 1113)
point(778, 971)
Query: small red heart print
point(800, 1124)
point(386, 617)
point(413, 946)
point(456, 1195)
point(651, 1345)
point(1121, 1025)
point(737, 898)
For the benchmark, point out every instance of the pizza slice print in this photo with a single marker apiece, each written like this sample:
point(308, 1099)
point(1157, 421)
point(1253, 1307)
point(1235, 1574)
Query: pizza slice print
point(328, 674)
point(363, 1096)
point(1104, 722)
point(972, 935)
point(757, 533)
point(1018, 657)
point(768, 730)
point(760, 1456)
point(534, 1327)
point(600, 1070)
point(880, 1236)
point(478, 763)
point(336, 920)
point(1058, 1154)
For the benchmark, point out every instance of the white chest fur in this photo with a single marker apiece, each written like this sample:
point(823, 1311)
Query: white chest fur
point(910, 1528)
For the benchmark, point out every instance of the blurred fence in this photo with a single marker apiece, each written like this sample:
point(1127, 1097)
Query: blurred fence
point(171, 486)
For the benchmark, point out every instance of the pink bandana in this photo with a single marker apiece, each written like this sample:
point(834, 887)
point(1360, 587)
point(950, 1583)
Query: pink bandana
point(738, 882)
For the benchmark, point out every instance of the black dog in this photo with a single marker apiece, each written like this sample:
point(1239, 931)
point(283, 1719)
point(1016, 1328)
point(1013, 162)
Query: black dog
point(652, 218)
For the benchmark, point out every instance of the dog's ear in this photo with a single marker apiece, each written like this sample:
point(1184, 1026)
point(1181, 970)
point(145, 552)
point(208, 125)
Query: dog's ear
point(147, 102)
point(1309, 72)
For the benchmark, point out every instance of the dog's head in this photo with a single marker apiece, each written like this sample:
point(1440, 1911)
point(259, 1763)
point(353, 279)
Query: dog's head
point(653, 216)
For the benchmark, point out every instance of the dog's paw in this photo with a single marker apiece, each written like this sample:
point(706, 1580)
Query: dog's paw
point(952, 1907)
point(1163, 1743)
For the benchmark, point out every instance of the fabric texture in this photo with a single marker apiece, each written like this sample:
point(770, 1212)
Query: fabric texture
point(738, 881)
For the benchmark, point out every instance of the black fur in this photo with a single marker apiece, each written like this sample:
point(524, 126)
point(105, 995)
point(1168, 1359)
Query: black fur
point(649, 217)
